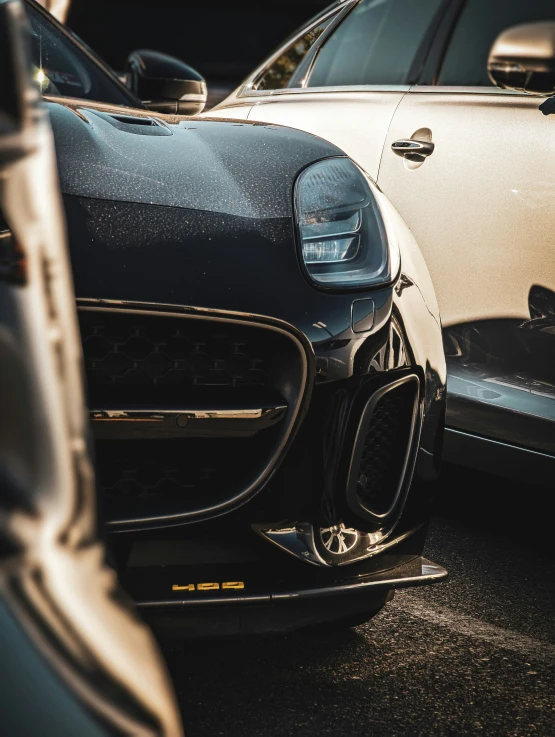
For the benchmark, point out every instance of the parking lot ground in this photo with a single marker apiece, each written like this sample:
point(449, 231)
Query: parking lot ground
point(474, 655)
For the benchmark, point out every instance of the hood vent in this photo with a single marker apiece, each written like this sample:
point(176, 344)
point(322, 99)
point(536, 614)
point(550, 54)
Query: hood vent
point(135, 120)
point(137, 124)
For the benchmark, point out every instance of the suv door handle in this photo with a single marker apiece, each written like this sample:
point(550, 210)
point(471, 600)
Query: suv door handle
point(409, 147)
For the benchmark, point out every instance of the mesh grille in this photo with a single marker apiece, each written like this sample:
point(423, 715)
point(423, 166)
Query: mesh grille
point(138, 360)
point(170, 470)
point(161, 353)
point(160, 361)
point(385, 448)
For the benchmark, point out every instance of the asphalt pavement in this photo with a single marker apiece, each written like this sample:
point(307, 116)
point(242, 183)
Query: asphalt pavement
point(472, 656)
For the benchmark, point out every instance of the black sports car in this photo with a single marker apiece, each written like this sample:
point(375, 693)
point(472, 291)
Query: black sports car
point(263, 354)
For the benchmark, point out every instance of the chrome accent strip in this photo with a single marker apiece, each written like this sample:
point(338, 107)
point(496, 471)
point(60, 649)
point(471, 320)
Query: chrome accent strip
point(439, 90)
point(159, 415)
point(345, 88)
point(306, 355)
point(266, 96)
point(418, 572)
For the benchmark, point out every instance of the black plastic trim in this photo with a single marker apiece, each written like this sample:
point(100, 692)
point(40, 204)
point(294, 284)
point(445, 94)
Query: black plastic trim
point(438, 48)
point(423, 52)
point(499, 458)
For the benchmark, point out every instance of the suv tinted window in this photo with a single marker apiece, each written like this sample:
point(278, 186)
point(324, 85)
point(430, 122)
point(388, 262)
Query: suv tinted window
point(280, 73)
point(478, 27)
point(63, 70)
point(377, 43)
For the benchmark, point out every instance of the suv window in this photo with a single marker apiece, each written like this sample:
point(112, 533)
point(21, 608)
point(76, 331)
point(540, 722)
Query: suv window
point(63, 70)
point(376, 44)
point(280, 74)
point(479, 25)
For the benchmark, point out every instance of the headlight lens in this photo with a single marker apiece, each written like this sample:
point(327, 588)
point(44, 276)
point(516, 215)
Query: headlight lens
point(342, 235)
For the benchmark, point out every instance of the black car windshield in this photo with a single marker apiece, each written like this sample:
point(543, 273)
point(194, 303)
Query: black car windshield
point(62, 69)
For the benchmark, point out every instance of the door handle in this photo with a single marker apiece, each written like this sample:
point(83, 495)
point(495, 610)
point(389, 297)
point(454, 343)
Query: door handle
point(409, 147)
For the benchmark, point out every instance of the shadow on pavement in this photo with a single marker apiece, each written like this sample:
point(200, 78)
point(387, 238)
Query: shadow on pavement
point(520, 512)
point(469, 656)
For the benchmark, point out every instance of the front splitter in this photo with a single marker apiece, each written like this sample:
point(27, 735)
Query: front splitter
point(417, 572)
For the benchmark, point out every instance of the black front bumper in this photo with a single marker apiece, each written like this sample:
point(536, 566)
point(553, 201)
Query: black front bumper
point(224, 577)
point(310, 502)
point(229, 613)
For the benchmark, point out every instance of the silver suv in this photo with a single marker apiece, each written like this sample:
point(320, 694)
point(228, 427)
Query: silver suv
point(438, 100)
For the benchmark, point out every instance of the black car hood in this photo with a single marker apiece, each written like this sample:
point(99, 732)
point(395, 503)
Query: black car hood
point(242, 169)
point(198, 213)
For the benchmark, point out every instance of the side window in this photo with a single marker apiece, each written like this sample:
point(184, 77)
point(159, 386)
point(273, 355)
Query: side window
point(62, 69)
point(376, 44)
point(480, 23)
point(280, 73)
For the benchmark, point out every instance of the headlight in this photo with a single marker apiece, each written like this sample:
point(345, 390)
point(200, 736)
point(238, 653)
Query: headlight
point(342, 234)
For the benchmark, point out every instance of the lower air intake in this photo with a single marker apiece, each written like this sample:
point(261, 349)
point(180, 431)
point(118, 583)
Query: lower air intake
point(382, 450)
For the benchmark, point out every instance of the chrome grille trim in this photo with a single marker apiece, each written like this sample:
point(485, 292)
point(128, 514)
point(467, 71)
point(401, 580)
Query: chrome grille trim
point(130, 422)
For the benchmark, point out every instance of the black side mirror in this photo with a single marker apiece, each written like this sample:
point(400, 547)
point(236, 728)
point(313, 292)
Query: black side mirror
point(165, 84)
point(523, 58)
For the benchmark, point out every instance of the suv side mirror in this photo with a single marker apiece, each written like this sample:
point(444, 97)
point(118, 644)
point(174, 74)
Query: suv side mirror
point(523, 58)
point(165, 84)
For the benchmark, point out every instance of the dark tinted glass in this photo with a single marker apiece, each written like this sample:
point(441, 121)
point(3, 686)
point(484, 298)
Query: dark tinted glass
point(480, 23)
point(63, 70)
point(280, 73)
point(377, 43)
